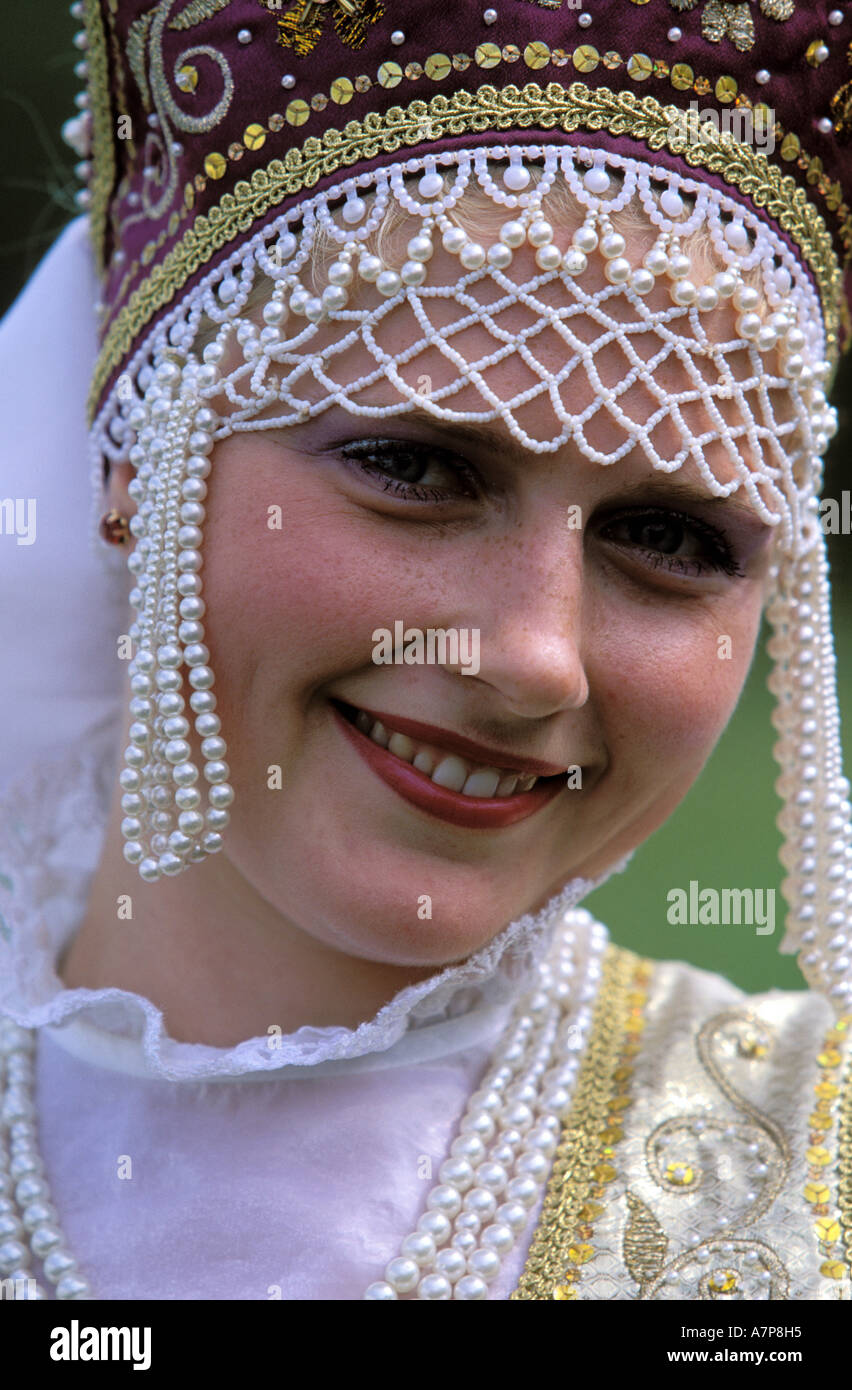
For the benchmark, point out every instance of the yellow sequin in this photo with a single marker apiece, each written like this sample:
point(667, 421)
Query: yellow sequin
point(640, 67)
point(341, 90)
point(297, 111)
point(726, 89)
point(437, 66)
point(215, 165)
point(487, 55)
point(254, 136)
point(390, 74)
point(536, 54)
point(586, 58)
point(817, 1192)
point(828, 1229)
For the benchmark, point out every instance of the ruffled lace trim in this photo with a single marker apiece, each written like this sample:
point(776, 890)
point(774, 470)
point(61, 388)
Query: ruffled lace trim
point(52, 824)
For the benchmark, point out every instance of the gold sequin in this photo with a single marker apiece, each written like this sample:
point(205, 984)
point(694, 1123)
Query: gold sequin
point(390, 74)
point(215, 165)
point(187, 78)
point(559, 57)
point(680, 1173)
point(536, 54)
point(833, 1269)
point(276, 121)
point(726, 89)
point(511, 53)
point(702, 86)
point(235, 151)
point(461, 62)
point(363, 83)
point(487, 55)
point(413, 71)
point(437, 66)
point(724, 1281)
point(640, 67)
point(586, 57)
point(817, 1192)
point(341, 90)
point(790, 146)
point(254, 136)
point(297, 112)
point(828, 1229)
point(580, 1254)
point(812, 53)
point(818, 1155)
point(612, 59)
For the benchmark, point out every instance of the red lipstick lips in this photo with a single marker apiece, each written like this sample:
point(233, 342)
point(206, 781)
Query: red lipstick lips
point(473, 813)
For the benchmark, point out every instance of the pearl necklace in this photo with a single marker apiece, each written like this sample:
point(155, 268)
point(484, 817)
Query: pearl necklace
point(463, 1237)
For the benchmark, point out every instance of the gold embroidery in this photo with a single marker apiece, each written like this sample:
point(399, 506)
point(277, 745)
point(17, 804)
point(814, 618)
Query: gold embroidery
point(721, 19)
point(103, 154)
point(581, 1165)
point(301, 28)
point(832, 1233)
point(644, 1252)
point(489, 108)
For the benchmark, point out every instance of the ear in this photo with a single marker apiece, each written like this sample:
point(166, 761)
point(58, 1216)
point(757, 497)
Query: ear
point(115, 492)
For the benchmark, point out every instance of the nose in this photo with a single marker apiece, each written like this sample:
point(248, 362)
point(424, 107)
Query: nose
point(531, 627)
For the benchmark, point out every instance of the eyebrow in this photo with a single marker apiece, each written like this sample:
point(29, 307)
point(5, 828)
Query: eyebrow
point(659, 487)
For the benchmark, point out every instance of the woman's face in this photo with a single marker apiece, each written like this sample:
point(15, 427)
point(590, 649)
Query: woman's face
point(616, 610)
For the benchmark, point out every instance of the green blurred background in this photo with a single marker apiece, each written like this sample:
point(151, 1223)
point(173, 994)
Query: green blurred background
point(724, 833)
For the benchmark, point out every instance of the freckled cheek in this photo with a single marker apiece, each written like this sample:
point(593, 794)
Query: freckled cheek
point(666, 693)
point(296, 605)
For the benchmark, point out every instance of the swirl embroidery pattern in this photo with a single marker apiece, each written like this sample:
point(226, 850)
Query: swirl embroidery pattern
point(739, 1166)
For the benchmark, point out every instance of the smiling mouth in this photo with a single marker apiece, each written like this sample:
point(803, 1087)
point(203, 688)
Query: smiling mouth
point(442, 768)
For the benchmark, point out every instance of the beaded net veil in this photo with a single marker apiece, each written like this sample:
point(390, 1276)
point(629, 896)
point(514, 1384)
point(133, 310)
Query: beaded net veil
point(618, 260)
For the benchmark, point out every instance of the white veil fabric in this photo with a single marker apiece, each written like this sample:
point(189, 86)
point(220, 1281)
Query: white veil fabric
point(62, 605)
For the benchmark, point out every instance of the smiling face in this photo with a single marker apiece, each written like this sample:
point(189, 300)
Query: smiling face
point(616, 610)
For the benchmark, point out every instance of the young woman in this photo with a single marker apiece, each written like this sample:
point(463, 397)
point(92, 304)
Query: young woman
point(453, 495)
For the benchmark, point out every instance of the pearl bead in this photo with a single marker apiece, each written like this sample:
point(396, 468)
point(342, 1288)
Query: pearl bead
point(431, 185)
point(397, 37)
point(574, 262)
point(675, 35)
point(453, 240)
point(835, 17)
point(243, 36)
point(380, 1291)
point(671, 203)
point(618, 272)
point(548, 257)
point(656, 261)
point(540, 232)
point(516, 177)
point(684, 292)
point(490, 16)
point(472, 255)
point(484, 1263)
point(613, 246)
point(708, 298)
point(679, 266)
point(736, 236)
point(725, 284)
point(642, 282)
point(354, 210)
point(451, 1263)
point(402, 1274)
point(825, 125)
point(513, 234)
point(471, 1287)
point(763, 75)
point(584, 20)
point(500, 257)
point(419, 1247)
point(420, 248)
point(596, 180)
point(388, 283)
point(435, 1287)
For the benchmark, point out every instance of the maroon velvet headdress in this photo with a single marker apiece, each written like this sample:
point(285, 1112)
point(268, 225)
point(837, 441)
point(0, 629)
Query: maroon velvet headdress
point(209, 118)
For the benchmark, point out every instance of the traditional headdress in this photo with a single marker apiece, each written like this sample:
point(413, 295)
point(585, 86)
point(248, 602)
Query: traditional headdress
point(227, 140)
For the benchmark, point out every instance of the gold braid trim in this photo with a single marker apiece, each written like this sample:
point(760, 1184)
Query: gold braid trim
point(422, 123)
point(844, 1161)
point(582, 1164)
point(102, 157)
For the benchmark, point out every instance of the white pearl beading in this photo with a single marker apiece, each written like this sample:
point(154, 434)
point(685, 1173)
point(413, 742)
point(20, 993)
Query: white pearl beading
point(462, 1238)
point(502, 1157)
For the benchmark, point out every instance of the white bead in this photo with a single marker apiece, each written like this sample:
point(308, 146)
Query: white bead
point(419, 1246)
point(456, 1172)
point(671, 203)
point(762, 76)
point(435, 1224)
point(825, 125)
point(451, 1263)
point(613, 245)
point(584, 20)
point(540, 232)
point(574, 262)
point(596, 180)
point(708, 298)
point(585, 239)
point(402, 1274)
point(618, 272)
point(444, 1199)
point(472, 255)
point(388, 283)
point(675, 35)
point(369, 268)
point(471, 1287)
point(339, 273)
point(420, 248)
point(656, 261)
point(725, 284)
point(380, 1291)
point(484, 1263)
point(684, 292)
point(490, 16)
point(498, 1238)
point(431, 185)
point(642, 282)
point(453, 240)
point(679, 266)
point(413, 273)
point(354, 210)
point(548, 257)
point(397, 37)
point(513, 234)
point(516, 177)
point(746, 298)
point(500, 256)
point(435, 1287)
point(835, 17)
point(766, 339)
point(736, 236)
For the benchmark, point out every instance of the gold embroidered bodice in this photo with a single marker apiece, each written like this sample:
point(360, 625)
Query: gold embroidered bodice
point(708, 1150)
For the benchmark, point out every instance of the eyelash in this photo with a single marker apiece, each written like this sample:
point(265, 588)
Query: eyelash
point(722, 559)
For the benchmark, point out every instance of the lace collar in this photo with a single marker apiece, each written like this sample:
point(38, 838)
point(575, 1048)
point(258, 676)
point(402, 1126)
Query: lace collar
point(52, 824)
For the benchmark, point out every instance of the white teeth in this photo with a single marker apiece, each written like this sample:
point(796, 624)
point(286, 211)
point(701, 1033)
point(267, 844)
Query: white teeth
point(402, 746)
point(426, 761)
point(482, 783)
point(445, 769)
point(450, 773)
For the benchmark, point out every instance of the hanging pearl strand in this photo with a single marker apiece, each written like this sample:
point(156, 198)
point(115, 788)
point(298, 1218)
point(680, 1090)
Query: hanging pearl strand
point(29, 1224)
point(483, 1201)
point(164, 827)
point(817, 816)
